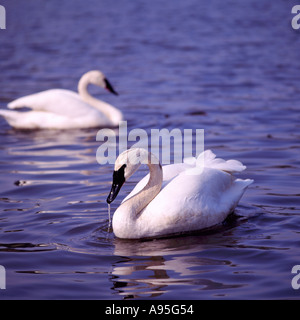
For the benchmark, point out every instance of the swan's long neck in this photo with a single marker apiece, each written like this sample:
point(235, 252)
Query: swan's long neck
point(108, 110)
point(134, 205)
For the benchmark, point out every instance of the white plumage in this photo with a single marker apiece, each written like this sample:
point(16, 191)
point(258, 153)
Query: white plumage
point(65, 109)
point(178, 198)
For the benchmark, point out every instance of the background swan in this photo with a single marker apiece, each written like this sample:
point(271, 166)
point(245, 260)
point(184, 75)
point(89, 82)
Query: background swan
point(65, 109)
point(175, 198)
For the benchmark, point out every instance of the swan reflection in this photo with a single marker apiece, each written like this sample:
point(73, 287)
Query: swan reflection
point(148, 268)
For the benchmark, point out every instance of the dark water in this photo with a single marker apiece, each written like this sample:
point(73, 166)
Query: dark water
point(230, 68)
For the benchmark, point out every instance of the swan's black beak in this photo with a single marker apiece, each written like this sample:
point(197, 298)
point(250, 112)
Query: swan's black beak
point(118, 181)
point(115, 188)
point(109, 87)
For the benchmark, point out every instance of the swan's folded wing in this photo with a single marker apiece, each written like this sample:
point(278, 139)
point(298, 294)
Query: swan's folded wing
point(194, 202)
point(58, 101)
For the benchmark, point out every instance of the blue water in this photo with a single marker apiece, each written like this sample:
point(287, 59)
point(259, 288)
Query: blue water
point(230, 68)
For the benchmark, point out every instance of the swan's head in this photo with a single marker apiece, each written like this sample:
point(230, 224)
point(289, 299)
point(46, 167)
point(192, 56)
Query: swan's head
point(97, 78)
point(126, 165)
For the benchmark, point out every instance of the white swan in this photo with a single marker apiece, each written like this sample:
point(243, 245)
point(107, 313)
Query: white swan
point(65, 109)
point(177, 198)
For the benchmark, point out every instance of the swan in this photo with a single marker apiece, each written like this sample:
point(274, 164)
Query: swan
point(177, 198)
point(65, 109)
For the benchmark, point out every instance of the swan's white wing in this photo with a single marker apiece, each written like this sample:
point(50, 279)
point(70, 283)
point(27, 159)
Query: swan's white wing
point(192, 166)
point(194, 195)
point(58, 101)
point(192, 202)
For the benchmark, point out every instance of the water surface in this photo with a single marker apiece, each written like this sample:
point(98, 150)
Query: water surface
point(231, 69)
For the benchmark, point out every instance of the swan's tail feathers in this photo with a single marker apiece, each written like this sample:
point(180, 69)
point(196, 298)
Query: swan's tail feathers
point(208, 159)
point(14, 118)
point(19, 120)
point(244, 184)
point(8, 115)
point(238, 189)
point(233, 195)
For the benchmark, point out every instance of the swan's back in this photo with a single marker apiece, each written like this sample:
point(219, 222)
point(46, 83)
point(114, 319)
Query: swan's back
point(57, 101)
point(191, 166)
point(55, 109)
